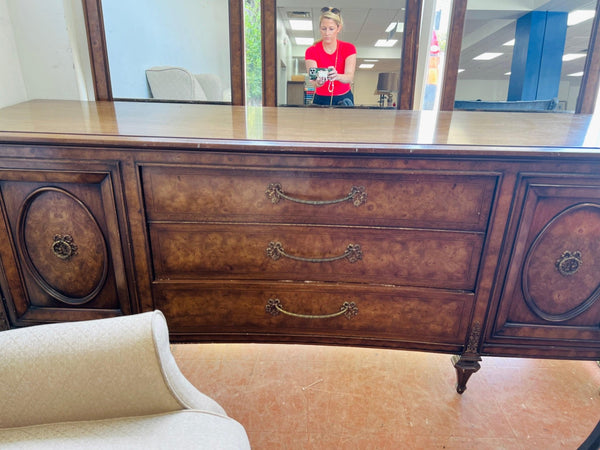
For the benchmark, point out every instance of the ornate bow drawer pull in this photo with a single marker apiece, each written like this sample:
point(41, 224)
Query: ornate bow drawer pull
point(353, 254)
point(357, 196)
point(348, 309)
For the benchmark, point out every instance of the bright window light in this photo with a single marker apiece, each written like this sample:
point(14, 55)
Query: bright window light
point(487, 56)
point(572, 56)
point(510, 43)
point(301, 25)
point(366, 66)
point(576, 74)
point(580, 15)
point(304, 41)
point(386, 42)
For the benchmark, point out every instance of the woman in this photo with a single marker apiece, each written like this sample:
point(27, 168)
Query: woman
point(338, 56)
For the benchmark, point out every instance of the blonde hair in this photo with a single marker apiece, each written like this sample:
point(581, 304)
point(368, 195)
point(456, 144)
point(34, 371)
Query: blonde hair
point(337, 18)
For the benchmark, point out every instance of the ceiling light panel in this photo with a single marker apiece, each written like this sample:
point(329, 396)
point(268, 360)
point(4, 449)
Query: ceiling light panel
point(487, 56)
point(580, 15)
point(366, 66)
point(386, 42)
point(301, 25)
point(573, 56)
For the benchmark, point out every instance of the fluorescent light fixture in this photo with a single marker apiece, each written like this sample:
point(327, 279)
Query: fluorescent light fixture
point(507, 73)
point(487, 56)
point(371, 60)
point(366, 66)
point(510, 43)
point(572, 56)
point(576, 74)
point(386, 42)
point(304, 41)
point(461, 70)
point(399, 26)
point(301, 25)
point(580, 15)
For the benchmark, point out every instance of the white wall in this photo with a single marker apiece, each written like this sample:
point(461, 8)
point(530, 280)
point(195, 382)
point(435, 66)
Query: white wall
point(12, 86)
point(193, 34)
point(42, 53)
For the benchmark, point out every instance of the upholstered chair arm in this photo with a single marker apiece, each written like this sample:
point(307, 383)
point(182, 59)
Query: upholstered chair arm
point(92, 370)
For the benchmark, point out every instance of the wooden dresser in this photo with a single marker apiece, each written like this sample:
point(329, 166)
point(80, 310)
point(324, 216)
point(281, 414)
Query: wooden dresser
point(467, 233)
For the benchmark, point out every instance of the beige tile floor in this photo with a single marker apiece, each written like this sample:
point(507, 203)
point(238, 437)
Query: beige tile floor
point(317, 397)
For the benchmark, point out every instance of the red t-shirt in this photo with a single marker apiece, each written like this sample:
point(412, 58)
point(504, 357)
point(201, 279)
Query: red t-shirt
point(323, 59)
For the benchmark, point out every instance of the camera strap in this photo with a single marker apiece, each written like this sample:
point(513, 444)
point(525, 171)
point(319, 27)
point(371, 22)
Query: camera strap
point(330, 87)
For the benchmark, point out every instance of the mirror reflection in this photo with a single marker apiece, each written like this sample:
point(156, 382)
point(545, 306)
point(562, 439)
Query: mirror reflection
point(526, 55)
point(374, 28)
point(175, 50)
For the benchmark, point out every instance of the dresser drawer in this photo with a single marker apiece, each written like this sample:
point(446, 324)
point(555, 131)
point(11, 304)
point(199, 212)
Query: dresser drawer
point(354, 196)
point(440, 259)
point(315, 310)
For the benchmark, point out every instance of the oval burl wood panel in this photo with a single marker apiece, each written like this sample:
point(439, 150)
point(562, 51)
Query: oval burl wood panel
point(62, 245)
point(561, 273)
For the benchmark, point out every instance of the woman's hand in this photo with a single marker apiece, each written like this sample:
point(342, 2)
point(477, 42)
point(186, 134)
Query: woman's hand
point(333, 74)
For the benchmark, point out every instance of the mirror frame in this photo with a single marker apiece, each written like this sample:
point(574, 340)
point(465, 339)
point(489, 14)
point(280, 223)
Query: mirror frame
point(590, 83)
point(410, 48)
point(94, 23)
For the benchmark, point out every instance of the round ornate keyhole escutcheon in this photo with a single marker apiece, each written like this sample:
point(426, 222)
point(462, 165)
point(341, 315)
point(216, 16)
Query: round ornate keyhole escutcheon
point(63, 247)
point(569, 263)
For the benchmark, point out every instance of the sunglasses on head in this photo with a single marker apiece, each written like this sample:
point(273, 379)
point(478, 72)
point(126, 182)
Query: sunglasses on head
point(329, 8)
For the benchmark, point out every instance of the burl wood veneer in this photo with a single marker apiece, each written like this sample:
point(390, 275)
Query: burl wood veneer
point(467, 233)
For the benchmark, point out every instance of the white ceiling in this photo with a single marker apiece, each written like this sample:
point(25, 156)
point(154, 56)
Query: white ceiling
point(488, 24)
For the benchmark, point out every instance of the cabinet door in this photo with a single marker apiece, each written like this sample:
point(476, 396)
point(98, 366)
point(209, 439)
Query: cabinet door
point(551, 291)
point(62, 256)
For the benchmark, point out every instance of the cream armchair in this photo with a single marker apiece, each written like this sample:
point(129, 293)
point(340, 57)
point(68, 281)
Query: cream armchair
point(177, 83)
point(108, 383)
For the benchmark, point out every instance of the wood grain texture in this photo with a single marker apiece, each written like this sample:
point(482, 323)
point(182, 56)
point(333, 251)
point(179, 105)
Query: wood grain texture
point(454, 204)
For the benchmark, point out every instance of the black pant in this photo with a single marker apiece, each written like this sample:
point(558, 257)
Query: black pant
point(346, 99)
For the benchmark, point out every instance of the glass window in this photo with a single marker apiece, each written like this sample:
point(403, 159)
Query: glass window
point(532, 55)
point(175, 50)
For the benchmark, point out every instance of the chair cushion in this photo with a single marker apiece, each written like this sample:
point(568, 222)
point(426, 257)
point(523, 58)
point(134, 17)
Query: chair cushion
point(180, 429)
point(174, 83)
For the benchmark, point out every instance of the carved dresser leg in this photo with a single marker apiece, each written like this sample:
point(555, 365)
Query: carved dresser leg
point(468, 363)
point(465, 365)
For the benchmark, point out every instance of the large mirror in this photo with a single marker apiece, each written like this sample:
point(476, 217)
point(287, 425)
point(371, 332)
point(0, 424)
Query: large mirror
point(528, 55)
point(159, 50)
point(376, 28)
point(176, 50)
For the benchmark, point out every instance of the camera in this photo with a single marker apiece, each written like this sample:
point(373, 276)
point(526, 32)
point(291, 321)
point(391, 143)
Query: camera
point(318, 72)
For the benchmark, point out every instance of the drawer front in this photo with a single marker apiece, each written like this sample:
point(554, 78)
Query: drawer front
point(338, 254)
point(317, 310)
point(406, 199)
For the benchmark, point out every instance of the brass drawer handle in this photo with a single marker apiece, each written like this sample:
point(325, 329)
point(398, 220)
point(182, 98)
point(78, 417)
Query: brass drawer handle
point(353, 253)
point(357, 195)
point(348, 309)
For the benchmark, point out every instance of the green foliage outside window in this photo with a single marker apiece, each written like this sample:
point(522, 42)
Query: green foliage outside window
point(252, 30)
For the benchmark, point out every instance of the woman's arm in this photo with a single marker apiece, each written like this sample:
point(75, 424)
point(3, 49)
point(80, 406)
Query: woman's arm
point(349, 68)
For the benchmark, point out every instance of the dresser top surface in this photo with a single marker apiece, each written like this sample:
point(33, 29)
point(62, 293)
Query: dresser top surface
point(126, 123)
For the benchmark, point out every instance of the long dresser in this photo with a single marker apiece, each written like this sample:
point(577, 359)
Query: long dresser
point(473, 234)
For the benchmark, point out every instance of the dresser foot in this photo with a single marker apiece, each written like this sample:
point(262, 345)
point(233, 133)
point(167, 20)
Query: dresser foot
point(465, 365)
